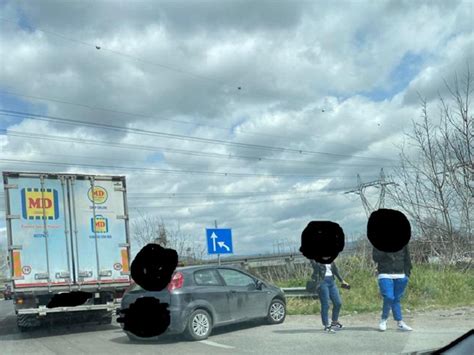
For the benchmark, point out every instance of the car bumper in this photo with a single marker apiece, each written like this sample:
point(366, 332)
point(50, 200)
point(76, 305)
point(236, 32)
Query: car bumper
point(178, 320)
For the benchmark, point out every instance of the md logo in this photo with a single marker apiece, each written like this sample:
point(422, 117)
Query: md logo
point(37, 204)
point(98, 196)
point(100, 226)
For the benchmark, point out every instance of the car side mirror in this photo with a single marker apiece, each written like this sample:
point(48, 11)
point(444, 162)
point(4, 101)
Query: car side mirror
point(258, 284)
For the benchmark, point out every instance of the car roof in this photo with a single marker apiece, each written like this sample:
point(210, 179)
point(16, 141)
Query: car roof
point(206, 266)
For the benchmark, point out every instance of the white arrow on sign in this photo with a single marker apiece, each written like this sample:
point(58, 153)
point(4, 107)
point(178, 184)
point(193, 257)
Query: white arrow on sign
point(214, 237)
point(223, 245)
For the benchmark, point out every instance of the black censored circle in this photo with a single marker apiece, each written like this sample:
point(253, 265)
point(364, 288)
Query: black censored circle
point(153, 267)
point(322, 241)
point(388, 230)
point(146, 317)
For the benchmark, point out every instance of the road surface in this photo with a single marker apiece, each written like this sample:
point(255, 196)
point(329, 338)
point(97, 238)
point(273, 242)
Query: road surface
point(297, 335)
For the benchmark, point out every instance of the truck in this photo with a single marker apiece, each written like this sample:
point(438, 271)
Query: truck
point(67, 235)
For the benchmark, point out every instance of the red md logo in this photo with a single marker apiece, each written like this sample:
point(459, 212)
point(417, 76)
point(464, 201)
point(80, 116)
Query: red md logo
point(98, 196)
point(36, 203)
point(39, 204)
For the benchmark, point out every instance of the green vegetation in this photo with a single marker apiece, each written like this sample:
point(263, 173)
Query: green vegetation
point(430, 286)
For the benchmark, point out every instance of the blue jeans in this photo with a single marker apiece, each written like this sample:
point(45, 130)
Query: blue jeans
point(392, 291)
point(328, 290)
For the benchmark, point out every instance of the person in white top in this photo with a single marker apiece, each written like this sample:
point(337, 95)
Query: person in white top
point(324, 275)
point(393, 273)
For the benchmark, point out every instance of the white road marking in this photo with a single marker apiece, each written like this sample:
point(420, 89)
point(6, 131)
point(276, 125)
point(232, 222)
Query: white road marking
point(212, 343)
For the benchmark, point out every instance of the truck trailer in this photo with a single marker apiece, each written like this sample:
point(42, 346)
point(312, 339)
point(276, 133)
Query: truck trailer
point(68, 245)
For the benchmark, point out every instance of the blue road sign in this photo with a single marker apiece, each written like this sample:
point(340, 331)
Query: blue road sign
point(219, 241)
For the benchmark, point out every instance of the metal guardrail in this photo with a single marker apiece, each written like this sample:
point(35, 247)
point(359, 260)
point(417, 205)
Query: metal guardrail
point(298, 292)
point(269, 259)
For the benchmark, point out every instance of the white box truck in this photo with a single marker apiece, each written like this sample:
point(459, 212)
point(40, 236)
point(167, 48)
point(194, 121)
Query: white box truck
point(66, 233)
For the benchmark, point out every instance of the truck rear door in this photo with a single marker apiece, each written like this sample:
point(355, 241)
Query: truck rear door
point(100, 230)
point(38, 229)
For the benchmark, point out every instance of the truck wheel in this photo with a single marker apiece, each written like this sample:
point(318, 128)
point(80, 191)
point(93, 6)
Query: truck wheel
point(276, 312)
point(199, 325)
point(26, 321)
point(106, 319)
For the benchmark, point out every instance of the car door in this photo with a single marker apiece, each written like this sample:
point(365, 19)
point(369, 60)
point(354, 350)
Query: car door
point(246, 301)
point(208, 286)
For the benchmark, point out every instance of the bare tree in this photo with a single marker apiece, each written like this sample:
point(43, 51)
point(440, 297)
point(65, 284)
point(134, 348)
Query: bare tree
point(152, 229)
point(436, 171)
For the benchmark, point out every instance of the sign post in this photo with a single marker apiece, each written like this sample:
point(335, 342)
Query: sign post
point(218, 255)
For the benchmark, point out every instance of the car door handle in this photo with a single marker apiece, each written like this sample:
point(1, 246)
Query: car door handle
point(233, 291)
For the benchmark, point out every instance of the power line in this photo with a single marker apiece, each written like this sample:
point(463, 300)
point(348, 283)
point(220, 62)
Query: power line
point(165, 171)
point(95, 108)
point(223, 128)
point(176, 136)
point(235, 194)
point(213, 203)
point(101, 48)
point(145, 195)
point(172, 150)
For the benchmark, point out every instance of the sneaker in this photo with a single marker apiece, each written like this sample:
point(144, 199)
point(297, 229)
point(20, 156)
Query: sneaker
point(383, 325)
point(336, 325)
point(329, 330)
point(403, 326)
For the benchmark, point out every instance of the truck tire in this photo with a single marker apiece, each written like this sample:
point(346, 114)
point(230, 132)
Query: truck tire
point(106, 319)
point(26, 322)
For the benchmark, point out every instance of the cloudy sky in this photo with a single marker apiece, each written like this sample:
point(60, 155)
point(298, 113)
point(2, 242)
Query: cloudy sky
point(256, 114)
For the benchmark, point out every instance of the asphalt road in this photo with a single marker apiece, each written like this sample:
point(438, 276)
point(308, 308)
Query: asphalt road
point(297, 335)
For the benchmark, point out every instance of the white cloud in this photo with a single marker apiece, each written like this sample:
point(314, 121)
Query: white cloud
point(302, 68)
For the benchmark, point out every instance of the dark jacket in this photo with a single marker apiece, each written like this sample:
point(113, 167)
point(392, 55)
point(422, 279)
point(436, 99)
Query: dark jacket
point(392, 263)
point(319, 270)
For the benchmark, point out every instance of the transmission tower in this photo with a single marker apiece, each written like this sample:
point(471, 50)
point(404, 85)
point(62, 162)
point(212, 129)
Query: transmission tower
point(381, 184)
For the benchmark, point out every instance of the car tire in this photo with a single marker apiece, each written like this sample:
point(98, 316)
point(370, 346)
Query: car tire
point(199, 325)
point(276, 312)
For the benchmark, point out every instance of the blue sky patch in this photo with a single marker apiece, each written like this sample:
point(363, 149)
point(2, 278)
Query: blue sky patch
point(399, 78)
point(15, 103)
point(23, 21)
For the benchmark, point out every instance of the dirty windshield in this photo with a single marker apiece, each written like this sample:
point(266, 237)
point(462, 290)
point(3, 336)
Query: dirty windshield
point(236, 176)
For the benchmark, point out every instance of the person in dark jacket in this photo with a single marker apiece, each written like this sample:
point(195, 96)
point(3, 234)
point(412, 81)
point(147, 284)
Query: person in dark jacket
point(323, 275)
point(393, 273)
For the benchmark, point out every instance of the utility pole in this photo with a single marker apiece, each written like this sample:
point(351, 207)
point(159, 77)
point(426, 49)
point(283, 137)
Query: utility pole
point(218, 255)
point(360, 190)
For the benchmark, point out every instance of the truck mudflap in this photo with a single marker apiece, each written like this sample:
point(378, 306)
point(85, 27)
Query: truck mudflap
point(43, 310)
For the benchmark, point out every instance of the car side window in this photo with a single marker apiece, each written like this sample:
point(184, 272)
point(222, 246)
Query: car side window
point(206, 278)
point(236, 278)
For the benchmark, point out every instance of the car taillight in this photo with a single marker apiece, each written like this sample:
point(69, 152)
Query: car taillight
point(176, 282)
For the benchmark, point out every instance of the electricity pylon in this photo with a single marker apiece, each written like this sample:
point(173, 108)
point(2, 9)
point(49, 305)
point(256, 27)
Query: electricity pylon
point(360, 190)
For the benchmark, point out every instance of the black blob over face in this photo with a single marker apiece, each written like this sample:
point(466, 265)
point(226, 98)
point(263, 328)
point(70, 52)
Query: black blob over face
point(322, 241)
point(146, 317)
point(153, 267)
point(388, 230)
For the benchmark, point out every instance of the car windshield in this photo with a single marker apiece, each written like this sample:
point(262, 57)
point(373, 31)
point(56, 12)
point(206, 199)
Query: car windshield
point(325, 148)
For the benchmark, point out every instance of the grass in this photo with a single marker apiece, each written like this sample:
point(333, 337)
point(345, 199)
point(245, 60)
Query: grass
point(429, 287)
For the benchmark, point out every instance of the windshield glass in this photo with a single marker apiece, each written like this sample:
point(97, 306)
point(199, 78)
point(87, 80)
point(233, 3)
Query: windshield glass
point(323, 147)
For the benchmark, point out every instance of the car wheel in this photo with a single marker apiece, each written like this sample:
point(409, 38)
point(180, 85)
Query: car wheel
point(199, 325)
point(276, 312)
